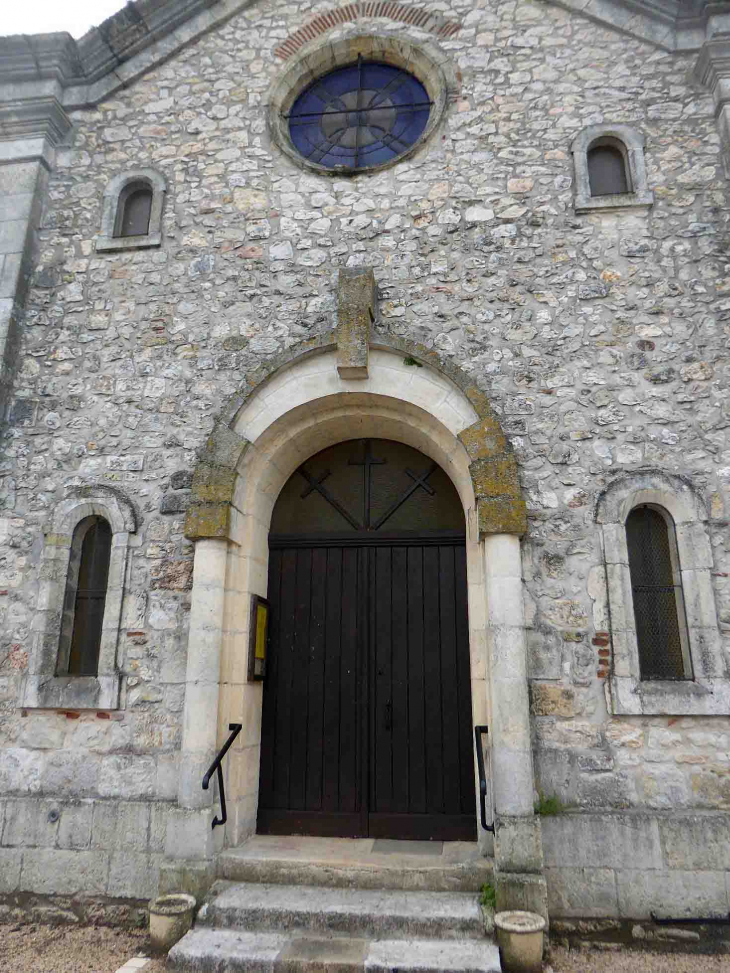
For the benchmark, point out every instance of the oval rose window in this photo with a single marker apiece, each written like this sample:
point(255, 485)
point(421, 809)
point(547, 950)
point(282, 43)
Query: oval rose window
point(360, 116)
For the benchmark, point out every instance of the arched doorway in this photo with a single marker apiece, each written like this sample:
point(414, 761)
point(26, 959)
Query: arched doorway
point(367, 708)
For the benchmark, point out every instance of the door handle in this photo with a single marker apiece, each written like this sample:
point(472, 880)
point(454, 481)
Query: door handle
point(389, 716)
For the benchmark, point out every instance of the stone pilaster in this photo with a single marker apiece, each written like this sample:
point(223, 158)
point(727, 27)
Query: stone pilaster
point(30, 128)
point(518, 857)
point(713, 71)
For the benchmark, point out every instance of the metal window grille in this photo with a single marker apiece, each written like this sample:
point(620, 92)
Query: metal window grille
point(607, 171)
point(657, 595)
point(359, 116)
point(90, 598)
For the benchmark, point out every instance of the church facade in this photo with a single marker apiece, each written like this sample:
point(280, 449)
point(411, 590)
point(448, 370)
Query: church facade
point(365, 388)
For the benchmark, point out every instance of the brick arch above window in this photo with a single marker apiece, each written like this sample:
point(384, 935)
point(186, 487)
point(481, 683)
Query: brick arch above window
point(47, 684)
point(117, 195)
point(629, 144)
point(707, 690)
point(404, 13)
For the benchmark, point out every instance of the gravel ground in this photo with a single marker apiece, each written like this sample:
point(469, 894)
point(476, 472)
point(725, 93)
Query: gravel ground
point(97, 949)
point(631, 961)
point(71, 949)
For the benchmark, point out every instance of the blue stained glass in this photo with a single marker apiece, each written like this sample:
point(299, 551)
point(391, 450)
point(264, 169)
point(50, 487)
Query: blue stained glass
point(359, 116)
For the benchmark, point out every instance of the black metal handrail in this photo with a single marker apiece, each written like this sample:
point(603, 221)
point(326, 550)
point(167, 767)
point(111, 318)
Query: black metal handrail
point(479, 732)
point(216, 765)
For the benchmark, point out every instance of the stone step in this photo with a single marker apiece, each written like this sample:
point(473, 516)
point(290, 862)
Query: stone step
point(354, 863)
point(372, 914)
point(205, 950)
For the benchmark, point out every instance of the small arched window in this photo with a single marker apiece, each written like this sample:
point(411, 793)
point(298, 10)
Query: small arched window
point(607, 170)
point(131, 216)
point(656, 586)
point(133, 211)
point(610, 172)
point(86, 591)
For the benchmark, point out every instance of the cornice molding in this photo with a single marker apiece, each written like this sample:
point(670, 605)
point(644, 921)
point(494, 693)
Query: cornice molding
point(42, 117)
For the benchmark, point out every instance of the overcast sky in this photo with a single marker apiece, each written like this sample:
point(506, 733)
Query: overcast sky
point(46, 16)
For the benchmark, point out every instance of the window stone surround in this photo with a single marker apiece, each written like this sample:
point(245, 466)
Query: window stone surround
point(113, 193)
point(631, 145)
point(42, 687)
point(423, 59)
point(708, 693)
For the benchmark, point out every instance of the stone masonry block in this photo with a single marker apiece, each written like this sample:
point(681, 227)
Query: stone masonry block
point(521, 891)
point(213, 483)
point(133, 875)
point(356, 307)
point(517, 844)
point(74, 827)
point(675, 894)
point(121, 825)
point(623, 840)
point(195, 878)
point(484, 439)
point(48, 871)
point(551, 700)
point(10, 865)
point(582, 892)
point(31, 823)
point(189, 834)
point(501, 516)
point(696, 841)
point(208, 520)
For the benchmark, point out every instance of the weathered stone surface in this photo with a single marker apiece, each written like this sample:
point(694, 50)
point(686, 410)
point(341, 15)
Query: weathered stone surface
point(550, 700)
point(356, 310)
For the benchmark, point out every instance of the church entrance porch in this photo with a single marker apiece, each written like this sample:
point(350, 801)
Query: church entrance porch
point(367, 703)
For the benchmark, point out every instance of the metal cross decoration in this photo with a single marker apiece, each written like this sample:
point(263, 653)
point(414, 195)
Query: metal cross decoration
point(368, 461)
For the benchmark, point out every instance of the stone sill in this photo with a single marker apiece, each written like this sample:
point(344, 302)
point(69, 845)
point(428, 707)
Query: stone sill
point(620, 201)
point(106, 243)
point(71, 692)
point(632, 697)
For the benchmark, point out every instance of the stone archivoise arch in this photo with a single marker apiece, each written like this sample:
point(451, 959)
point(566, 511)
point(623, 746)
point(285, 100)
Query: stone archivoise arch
point(334, 388)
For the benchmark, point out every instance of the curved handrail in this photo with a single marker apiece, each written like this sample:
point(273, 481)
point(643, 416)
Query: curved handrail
point(216, 765)
point(479, 732)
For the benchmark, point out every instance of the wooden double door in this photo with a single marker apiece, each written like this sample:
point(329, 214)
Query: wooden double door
point(367, 702)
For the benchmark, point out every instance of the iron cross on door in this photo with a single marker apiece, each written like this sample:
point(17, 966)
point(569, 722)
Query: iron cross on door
point(367, 462)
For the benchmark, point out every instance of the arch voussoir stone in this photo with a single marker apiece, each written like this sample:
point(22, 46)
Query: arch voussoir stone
point(493, 468)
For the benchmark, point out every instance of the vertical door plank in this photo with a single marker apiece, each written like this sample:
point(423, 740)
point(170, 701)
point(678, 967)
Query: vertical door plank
point(400, 735)
point(299, 699)
point(463, 662)
point(270, 695)
point(349, 682)
point(333, 649)
point(381, 709)
point(316, 647)
point(432, 681)
point(282, 688)
point(416, 723)
point(449, 682)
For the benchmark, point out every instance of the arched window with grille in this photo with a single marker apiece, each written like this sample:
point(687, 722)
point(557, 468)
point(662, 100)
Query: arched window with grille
point(83, 565)
point(656, 588)
point(133, 211)
point(666, 649)
point(131, 216)
point(607, 170)
point(86, 590)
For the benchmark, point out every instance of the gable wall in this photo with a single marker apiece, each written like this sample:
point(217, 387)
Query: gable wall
point(600, 340)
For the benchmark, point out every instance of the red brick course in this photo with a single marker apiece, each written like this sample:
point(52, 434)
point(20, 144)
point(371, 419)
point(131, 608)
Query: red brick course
point(366, 8)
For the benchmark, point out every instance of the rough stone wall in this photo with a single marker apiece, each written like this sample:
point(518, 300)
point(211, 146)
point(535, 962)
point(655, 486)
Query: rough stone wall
point(600, 340)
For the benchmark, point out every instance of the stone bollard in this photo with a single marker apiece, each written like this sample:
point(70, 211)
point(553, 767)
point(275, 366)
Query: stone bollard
point(170, 918)
point(520, 940)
